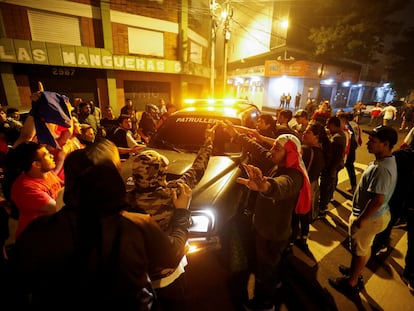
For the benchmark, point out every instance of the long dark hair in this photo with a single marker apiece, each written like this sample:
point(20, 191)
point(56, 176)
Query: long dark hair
point(319, 130)
point(94, 189)
point(102, 151)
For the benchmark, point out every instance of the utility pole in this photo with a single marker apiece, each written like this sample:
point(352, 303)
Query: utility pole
point(213, 7)
point(229, 15)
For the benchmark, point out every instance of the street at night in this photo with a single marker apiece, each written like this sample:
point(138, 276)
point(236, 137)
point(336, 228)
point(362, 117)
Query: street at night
point(305, 285)
point(205, 130)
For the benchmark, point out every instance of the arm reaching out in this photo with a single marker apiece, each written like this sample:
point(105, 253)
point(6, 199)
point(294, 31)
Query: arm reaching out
point(255, 181)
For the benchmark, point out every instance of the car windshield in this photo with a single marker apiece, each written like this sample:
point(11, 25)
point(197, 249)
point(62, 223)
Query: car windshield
point(186, 134)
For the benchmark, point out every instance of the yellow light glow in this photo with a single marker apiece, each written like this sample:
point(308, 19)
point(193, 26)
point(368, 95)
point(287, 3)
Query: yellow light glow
point(284, 24)
point(278, 86)
point(192, 249)
point(229, 101)
point(189, 101)
point(230, 112)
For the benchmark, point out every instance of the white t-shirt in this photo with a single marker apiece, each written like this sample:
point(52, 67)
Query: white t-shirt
point(389, 112)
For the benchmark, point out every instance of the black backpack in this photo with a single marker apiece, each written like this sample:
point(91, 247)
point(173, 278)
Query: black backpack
point(402, 198)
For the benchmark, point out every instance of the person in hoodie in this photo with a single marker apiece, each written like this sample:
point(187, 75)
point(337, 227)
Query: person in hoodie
point(153, 194)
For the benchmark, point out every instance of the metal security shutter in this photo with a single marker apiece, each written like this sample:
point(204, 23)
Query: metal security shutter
point(55, 28)
point(154, 42)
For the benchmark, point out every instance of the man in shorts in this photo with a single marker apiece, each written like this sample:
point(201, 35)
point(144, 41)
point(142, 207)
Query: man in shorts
point(370, 209)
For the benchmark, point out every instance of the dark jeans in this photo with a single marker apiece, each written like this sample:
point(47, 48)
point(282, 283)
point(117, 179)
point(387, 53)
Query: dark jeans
point(300, 223)
point(268, 267)
point(327, 188)
point(375, 121)
point(172, 297)
point(350, 168)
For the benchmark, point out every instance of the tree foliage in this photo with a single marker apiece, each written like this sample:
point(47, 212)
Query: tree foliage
point(353, 29)
point(400, 72)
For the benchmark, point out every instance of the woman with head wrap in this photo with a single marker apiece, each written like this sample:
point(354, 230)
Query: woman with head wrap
point(284, 190)
point(314, 142)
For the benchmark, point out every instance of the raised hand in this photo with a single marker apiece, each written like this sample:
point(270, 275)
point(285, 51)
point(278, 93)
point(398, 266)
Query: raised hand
point(211, 131)
point(255, 181)
point(184, 199)
point(229, 128)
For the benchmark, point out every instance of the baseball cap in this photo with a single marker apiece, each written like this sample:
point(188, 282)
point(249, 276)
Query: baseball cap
point(301, 113)
point(384, 133)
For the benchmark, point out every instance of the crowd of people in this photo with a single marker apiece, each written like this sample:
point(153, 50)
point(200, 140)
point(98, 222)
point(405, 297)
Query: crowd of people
point(323, 144)
point(84, 239)
point(387, 114)
point(52, 185)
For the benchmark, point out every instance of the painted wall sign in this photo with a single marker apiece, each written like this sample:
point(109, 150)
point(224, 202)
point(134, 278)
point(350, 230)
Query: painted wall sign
point(309, 69)
point(31, 52)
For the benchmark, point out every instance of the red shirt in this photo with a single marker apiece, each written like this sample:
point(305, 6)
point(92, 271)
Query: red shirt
point(30, 194)
point(376, 112)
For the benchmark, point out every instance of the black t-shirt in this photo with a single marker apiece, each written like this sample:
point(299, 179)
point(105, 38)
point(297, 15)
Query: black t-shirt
point(408, 112)
point(317, 161)
point(147, 124)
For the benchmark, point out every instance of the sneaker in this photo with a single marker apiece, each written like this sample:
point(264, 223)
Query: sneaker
point(400, 223)
point(410, 284)
point(301, 244)
point(256, 305)
point(289, 249)
point(346, 271)
point(351, 190)
point(322, 214)
point(341, 284)
point(381, 249)
point(409, 281)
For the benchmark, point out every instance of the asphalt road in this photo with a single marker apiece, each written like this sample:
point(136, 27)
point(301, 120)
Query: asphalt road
point(210, 285)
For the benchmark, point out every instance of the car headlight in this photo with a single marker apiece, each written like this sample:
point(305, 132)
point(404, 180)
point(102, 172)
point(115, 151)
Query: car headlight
point(202, 221)
point(201, 232)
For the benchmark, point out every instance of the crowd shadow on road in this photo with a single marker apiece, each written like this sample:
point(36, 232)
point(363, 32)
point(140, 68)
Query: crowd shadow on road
point(301, 289)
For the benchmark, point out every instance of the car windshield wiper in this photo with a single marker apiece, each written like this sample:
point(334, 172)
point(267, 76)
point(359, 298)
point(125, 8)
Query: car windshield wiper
point(168, 145)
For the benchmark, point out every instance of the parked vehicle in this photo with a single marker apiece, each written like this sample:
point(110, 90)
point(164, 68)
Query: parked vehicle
point(217, 197)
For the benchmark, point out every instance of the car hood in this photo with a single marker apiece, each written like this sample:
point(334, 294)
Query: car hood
point(180, 162)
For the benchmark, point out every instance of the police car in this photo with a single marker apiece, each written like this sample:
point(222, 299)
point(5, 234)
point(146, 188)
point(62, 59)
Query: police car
point(217, 197)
